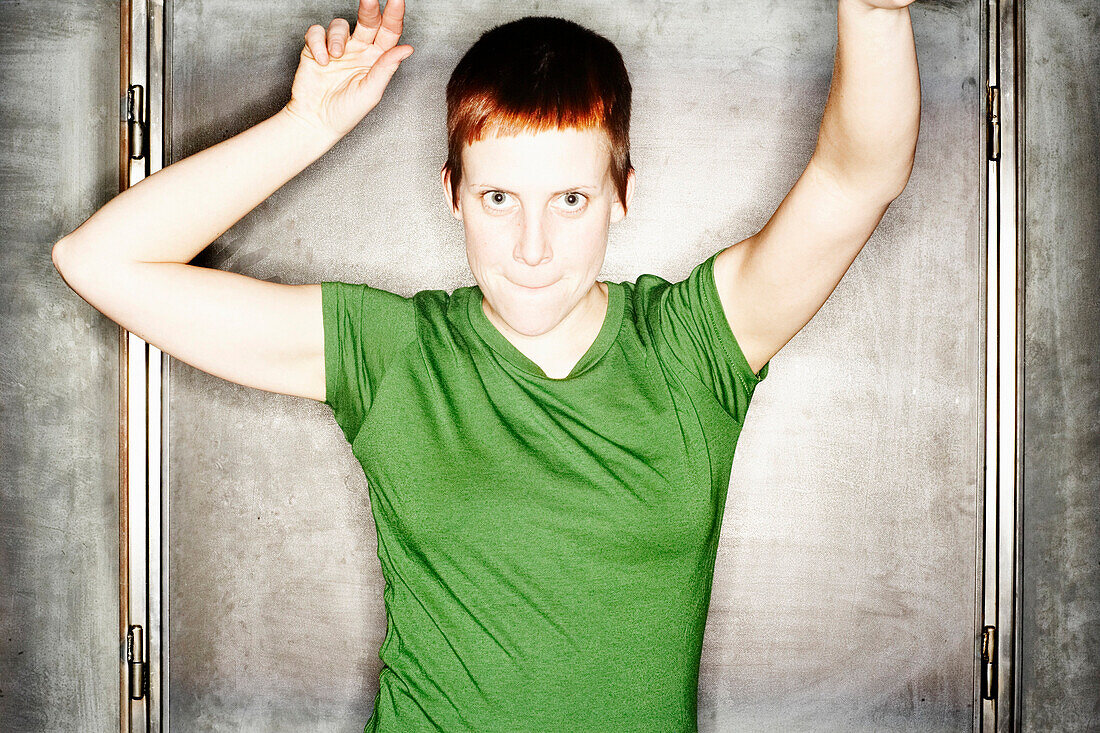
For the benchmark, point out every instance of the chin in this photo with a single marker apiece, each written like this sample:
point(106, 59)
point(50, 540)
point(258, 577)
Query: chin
point(529, 315)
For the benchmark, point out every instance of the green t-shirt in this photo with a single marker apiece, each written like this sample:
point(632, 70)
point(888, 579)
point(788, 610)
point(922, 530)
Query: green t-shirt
point(548, 545)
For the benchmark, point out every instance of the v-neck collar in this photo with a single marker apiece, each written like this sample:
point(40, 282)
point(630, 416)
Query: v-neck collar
point(503, 347)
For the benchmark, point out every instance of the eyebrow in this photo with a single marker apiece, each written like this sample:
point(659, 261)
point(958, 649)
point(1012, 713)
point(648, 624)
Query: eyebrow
point(491, 187)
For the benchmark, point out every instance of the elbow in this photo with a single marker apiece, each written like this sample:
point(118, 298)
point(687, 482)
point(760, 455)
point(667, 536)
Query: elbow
point(884, 183)
point(58, 254)
point(64, 260)
point(874, 183)
point(61, 255)
point(885, 180)
point(902, 180)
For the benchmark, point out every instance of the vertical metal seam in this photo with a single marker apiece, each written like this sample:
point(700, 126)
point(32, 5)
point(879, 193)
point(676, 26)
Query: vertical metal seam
point(1018, 120)
point(123, 406)
point(156, 587)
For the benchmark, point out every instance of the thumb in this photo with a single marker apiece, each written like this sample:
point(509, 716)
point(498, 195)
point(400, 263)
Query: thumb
point(374, 83)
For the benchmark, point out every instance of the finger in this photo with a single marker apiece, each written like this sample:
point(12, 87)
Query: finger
point(338, 31)
point(367, 21)
point(392, 22)
point(374, 83)
point(315, 42)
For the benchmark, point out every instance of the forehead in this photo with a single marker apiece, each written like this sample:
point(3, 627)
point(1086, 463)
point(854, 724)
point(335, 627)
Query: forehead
point(555, 158)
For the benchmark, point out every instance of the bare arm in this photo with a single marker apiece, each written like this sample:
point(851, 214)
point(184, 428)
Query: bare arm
point(129, 262)
point(129, 259)
point(175, 213)
point(868, 133)
point(774, 282)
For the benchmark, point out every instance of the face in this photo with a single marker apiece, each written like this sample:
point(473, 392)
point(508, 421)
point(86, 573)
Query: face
point(536, 209)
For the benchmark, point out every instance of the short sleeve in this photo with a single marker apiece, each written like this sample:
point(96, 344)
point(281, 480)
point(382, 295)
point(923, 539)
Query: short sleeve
point(694, 327)
point(364, 328)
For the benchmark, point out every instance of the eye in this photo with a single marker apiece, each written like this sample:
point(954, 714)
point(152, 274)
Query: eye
point(573, 201)
point(497, 200)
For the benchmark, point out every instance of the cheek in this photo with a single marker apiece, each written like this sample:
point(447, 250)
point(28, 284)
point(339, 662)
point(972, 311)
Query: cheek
point(488, 239)
point(488, 231)
point(590, 232)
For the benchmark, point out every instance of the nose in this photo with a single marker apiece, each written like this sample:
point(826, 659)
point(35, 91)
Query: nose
point(533, 247)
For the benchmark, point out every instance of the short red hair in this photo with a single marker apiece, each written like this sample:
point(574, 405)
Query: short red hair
point(535, 74)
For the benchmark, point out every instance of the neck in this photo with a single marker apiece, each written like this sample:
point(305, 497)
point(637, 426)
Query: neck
point(558, 350)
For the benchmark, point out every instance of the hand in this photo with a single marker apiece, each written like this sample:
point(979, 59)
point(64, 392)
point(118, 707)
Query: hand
point(340, 79)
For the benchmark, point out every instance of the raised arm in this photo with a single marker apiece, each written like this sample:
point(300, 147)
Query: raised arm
point(129, 259)
point(773, 283)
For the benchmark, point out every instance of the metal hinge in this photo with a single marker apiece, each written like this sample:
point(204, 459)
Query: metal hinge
point(989, 662)
point(133, 112)
point(993, 123)
point(135, 659)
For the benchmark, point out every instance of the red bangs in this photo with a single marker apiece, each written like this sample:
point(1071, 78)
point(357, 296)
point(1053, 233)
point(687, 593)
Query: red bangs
point(536, 74)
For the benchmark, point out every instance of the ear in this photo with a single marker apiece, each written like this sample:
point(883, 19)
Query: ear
point(445, 179)
point(619, 208)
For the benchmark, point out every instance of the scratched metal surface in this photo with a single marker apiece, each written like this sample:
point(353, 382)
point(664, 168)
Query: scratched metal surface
point(844, 594)
point(1060, 625)
point(59, 645)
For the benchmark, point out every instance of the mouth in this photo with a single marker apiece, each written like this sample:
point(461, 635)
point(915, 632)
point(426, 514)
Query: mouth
point(533, 287)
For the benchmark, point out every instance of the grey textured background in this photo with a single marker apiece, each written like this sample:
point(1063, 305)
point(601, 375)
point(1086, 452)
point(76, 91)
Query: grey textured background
point(59, 649)
point(844, 594)
point(278, 611)
point(1060, 628)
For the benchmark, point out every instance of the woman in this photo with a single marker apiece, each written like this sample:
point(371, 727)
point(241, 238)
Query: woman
point(548, 455)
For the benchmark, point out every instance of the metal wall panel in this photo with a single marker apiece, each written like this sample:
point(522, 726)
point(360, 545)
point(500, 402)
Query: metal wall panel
point(59, 645)
point(1060, 621)
point(846, 583)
